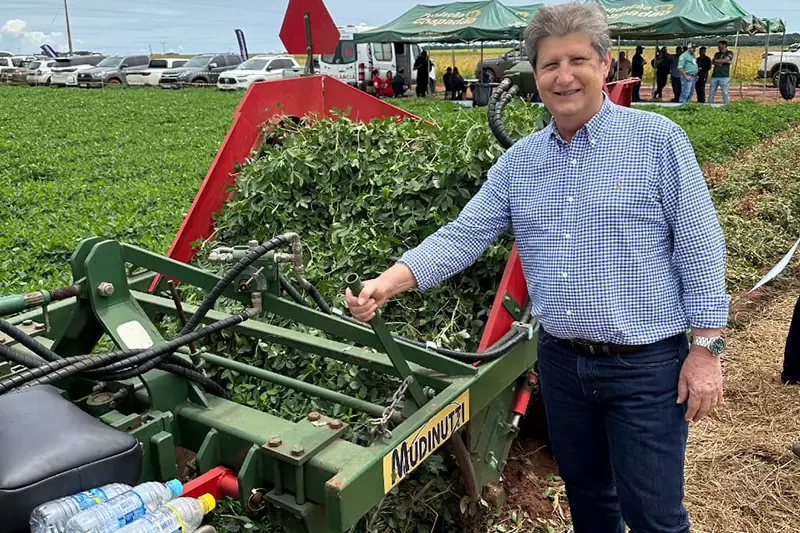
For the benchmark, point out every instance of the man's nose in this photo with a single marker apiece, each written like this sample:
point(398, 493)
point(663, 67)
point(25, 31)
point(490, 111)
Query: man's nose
point(565, 74)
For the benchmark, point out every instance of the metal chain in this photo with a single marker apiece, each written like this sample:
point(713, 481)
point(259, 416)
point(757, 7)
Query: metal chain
point(398, 396)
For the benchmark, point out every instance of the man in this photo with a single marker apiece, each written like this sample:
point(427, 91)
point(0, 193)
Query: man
point(675, 75)
point(687, 66)
point(637, 71)
point(399, 84)
point(703, 68)
point(721, 76)
point(621, 256)
point(423, 67)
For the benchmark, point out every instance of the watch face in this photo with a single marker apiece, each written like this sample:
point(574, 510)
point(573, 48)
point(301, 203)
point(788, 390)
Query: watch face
point(717, 345)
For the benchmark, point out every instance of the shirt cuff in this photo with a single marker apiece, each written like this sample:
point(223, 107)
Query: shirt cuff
point(707, 311)
point(418, 262)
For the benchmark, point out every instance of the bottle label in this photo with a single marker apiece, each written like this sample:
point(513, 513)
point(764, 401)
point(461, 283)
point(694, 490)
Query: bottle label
point(90, 498)
point(130, 508)
point(170, 520)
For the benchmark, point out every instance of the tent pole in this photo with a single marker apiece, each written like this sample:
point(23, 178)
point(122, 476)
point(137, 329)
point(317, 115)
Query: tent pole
point(736, 63)
point(780, 63)
point(480, 80)
point(764, 86)
point(654, 73)
point(619, 44)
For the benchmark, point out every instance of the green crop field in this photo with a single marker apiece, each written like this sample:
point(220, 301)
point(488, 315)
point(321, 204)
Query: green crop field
point(126, 163)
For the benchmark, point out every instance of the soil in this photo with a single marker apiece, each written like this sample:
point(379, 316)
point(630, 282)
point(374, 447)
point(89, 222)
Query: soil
point(528, 476)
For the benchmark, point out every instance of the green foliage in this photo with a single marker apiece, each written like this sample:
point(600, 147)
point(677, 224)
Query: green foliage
point(123, 164)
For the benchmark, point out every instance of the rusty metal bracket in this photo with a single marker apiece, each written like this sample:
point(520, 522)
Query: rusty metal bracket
point(513, 307)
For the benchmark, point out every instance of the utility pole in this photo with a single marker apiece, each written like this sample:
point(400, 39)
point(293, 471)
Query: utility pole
point(69, 33)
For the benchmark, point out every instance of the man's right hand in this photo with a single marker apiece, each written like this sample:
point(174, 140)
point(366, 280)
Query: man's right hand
point(375, 292)
point(373, 295)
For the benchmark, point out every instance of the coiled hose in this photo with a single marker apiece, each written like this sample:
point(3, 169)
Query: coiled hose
point(501, 97)
point(788, 85)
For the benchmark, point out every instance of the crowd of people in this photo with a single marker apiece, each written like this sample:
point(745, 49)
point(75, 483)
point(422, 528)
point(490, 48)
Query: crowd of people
point(689, 74)
point(396, 86)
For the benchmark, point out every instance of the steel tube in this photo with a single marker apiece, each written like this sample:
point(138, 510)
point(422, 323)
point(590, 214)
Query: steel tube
point(296, 384)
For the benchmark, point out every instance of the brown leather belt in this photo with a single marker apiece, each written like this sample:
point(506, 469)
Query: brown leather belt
point(601, 348)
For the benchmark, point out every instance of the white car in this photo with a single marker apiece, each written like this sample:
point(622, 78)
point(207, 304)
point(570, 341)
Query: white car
point(152, 74)
point(40, 72)
point(259, 68)
point(65, 71)
point(771, 64)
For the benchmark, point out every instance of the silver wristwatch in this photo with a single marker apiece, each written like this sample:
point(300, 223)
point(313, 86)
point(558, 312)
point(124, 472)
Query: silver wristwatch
point(715, 345)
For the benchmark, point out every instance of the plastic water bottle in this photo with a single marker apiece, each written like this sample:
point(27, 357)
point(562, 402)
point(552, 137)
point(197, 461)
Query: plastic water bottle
point(183, 515)
point(118, 512)
point(52, 517)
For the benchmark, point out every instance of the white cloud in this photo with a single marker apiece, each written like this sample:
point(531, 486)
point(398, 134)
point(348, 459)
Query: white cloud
point(31, 40)
point(14, 28)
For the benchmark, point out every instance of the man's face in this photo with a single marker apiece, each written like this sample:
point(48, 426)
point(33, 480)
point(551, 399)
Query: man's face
point(722, 47)
point(691, 50)
point(569, 74)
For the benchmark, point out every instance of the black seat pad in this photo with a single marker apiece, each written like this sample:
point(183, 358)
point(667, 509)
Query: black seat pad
point(49, 449)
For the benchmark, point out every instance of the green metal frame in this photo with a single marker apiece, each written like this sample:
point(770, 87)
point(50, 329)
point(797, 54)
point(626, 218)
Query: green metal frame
point(311, 477)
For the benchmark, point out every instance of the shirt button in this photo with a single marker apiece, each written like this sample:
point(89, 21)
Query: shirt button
point(569, 313)
point(565, 275)
point(573, 162)
point(570, 199)
point(567, 235)
point(591, 141)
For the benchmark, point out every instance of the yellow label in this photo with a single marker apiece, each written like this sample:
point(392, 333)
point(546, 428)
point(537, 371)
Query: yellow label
point(413, 451)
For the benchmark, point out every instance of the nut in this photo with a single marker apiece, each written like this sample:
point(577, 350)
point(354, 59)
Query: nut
point(28, 322)
point(253, 243)
point(335, 424)
point(313, 416)
point(274, 442)
point(39, 326)
point(105, 289)
point(297, 451)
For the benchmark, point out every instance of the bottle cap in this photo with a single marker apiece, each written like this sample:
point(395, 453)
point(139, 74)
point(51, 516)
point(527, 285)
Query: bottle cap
point(208, 503)
point(175, 487)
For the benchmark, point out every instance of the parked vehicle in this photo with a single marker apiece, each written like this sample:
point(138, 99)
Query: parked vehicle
point(65, 72)
point(353, 64)
point(259, 68)
point(772, 65)
point(152, 74)
point(203, 69)
point(496, 67)
point(6, 69)
point(111, 71)
point(40, 72)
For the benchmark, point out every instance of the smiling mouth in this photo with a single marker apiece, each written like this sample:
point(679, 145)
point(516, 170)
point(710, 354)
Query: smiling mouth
point(567, 93)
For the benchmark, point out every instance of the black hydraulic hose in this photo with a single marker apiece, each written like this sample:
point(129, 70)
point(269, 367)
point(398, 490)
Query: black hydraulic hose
point(318, 299)
point(20, 358)
point(27, 341)
point(230, 276)
point(192, 375)
point(495, 110)
point(291, 291)
point(67, 367)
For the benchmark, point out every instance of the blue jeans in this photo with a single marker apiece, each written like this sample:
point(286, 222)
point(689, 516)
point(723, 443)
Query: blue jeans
point(618, 434)
point(722, 83)
point(687, 88)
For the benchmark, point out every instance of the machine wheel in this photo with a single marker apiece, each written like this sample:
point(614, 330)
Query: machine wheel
point(199, 81)
point(114, 81)
point(492, 75)
point(776, 75)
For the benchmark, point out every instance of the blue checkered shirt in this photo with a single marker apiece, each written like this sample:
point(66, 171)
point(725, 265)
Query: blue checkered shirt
point(618, 239)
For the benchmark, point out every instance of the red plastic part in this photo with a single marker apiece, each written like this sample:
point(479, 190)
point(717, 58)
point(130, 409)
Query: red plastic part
point(219, 482)
point(304, 97)
point(513, 280)
point(524, 395)
point(324, 34)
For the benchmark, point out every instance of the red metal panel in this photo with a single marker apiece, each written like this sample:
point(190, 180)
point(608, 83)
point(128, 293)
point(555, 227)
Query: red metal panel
point(324, 34)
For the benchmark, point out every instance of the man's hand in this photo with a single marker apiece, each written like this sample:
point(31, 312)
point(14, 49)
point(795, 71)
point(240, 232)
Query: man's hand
point(372, 296)
point(375, 292)
point(701, 383)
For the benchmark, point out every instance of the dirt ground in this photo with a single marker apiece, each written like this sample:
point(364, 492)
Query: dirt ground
point(737, 92)
point(741, 475)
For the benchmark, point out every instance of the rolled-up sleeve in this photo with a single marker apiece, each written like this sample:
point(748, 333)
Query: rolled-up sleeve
point(460, 243)
point(699, 244)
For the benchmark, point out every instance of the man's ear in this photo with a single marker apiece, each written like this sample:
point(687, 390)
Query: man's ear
point(606, 64)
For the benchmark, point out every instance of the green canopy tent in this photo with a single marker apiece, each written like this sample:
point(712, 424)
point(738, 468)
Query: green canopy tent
point(457, 22)
point(526, 13)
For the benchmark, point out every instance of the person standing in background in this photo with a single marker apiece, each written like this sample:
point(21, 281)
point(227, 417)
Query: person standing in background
point(662, 64)
point(637, 71)
point(687, 66)
point(703, 68)
point(721, 77)
point(423, 67)
point(675, 74)
point(624, 66)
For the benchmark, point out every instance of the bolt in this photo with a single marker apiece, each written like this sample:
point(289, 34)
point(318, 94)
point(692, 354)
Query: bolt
point(274, 442)
point(39, 327)
point(313, 416)
point(27, 322)
point(335, 424)
point(105, 289)
point(297, 451)
point(252, 244)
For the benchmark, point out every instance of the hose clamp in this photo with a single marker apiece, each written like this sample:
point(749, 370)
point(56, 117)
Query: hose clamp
point(521, 326)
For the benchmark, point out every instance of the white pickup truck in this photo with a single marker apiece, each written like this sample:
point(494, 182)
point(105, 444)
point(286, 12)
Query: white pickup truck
point(772, 63)
point(259, 68)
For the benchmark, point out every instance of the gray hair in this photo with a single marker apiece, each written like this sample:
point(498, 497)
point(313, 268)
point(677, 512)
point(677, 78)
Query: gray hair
point(563, 19)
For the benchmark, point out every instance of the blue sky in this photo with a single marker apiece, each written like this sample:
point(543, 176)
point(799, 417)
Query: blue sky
point(196, 26)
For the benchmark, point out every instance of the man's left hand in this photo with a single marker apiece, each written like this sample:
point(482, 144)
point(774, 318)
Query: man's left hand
point(701, 383)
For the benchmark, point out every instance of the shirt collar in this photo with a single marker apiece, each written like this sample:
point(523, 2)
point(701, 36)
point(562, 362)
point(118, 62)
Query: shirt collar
point(594, 128)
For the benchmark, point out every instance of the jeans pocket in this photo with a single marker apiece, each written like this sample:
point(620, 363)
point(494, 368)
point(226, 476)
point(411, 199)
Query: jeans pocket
point(664, 354)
